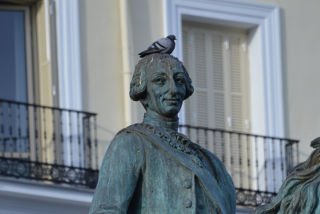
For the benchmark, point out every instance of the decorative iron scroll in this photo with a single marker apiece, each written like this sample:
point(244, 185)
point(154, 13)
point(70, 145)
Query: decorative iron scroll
point(253, 198)
point(20, 168)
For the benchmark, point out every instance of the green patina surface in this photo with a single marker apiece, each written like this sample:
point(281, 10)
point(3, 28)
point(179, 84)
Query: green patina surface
point(150, 168)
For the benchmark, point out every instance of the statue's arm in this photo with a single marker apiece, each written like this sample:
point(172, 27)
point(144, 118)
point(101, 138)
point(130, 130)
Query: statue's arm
point(118, 176)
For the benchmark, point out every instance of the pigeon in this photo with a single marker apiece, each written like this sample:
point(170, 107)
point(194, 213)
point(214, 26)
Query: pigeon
point(164, 45)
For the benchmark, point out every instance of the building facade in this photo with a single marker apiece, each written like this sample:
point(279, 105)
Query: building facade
point(66, 68)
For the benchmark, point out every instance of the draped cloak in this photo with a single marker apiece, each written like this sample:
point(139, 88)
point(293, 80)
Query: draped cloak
point(148, 170)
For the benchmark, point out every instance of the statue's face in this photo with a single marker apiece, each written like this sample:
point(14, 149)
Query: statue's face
point(166, 89)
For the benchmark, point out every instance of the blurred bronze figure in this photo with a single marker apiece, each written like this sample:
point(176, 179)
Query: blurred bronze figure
point(149, 167)
point(300, 192)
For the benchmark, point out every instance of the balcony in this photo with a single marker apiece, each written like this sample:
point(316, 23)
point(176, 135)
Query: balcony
point(258, 164)
point(59, 146)
point(48, 144)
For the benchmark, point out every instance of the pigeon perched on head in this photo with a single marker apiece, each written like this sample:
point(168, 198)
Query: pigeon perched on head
point(164, 45)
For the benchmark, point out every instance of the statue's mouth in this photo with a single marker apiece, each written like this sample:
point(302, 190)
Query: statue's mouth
point(172, 99)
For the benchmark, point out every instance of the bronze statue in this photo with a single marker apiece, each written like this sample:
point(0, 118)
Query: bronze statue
point(149, 167)
point(300, 192)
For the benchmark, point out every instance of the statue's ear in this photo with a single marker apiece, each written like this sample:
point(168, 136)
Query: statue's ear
point(138, 83)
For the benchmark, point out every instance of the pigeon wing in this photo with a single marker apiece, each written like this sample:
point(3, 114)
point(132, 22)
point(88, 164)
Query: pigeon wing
point(149, 51)
point(163, 45)
point(167, 45)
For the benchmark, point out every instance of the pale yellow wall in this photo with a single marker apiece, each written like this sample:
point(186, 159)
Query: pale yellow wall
point(42, 79)
point(145, 23)
point(301, 57)
point(101, 64)
point(102, 57)
point(43, 63)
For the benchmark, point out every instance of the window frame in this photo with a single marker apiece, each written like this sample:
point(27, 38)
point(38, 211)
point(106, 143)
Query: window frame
point(29, 71)
point(263, 20)
point(226, 34)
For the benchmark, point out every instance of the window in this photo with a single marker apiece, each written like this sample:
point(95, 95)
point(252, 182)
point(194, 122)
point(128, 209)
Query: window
point(216, 59)
point(15, 73)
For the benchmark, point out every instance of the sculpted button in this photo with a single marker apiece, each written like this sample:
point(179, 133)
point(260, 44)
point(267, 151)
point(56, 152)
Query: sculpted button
point(187, 184)
point(188, 203)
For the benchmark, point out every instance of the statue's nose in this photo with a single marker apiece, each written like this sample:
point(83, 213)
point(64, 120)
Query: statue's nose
point(172, 87)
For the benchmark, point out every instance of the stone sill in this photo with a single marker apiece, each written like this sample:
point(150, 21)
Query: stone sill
point(41, 190)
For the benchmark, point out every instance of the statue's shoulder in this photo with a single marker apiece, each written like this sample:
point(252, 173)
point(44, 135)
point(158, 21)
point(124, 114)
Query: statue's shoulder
point(216, 162)
point(127, 135)
point(134, 133)
point(212, 156)
point(125, 141)
point(130, 130)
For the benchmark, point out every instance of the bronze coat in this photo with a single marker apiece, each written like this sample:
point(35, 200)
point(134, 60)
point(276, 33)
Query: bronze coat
point(142, 174)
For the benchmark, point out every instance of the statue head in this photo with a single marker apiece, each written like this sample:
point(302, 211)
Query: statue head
point(161, 83)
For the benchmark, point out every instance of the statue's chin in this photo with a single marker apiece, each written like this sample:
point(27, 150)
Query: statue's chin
point(171, 112)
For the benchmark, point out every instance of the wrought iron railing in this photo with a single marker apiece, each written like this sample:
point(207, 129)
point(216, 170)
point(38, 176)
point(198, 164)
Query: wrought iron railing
point(49, 144)
point(258, 164)
point(60, 146)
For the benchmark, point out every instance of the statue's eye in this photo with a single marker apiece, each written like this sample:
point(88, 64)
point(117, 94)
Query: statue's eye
point(180, 80)
point(159, 80)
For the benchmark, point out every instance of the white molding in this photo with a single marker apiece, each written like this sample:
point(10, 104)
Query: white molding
point(48, 191)
point(20, 196)
point(247, 15)
point(68, 42)
point(69, 68)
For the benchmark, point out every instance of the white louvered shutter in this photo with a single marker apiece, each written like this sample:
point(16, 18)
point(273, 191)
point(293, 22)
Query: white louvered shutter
point(195, 53)
point(217, 81)
point(216, 61)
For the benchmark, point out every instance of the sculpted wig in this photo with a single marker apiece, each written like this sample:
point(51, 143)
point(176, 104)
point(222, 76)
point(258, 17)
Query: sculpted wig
point(300, 192)
point(138, 83)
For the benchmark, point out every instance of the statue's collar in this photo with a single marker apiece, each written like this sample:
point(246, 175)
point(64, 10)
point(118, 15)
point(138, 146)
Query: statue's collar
point(153, 119)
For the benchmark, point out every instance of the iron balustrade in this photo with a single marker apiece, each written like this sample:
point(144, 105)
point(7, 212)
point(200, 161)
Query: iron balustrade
point(59, 145)
point(46, 143)
point(258, 164)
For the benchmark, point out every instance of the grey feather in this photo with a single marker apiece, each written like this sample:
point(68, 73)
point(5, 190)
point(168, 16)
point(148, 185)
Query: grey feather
point(164, 45)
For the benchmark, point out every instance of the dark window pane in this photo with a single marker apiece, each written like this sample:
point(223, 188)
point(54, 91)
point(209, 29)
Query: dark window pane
point(13, 83)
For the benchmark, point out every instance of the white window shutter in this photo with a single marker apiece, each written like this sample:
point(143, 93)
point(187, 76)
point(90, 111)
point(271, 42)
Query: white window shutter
point(236, 92)
point(195, 62)
point(217, 82)
point(216, 62)
point(200, 82)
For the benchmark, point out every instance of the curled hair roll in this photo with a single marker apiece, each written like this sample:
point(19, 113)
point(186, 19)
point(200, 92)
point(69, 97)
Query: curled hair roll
point(138, 83)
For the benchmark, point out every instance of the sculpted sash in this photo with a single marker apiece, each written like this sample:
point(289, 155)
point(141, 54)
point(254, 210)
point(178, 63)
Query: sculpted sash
point(217, 195)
